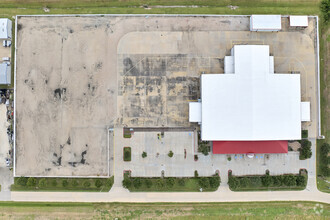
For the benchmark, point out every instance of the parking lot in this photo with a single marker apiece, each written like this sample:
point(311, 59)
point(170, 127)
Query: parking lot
point(77, 76)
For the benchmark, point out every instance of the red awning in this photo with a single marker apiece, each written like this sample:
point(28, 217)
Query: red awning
point(244, 147)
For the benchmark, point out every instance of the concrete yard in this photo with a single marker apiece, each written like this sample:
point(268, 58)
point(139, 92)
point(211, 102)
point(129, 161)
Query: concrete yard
point(78, 76)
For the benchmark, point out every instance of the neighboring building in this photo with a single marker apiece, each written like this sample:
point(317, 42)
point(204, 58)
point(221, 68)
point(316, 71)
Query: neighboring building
point(5, 73)
point(265, 23)
point(249, 109)
point(5, 28)
point(299, 21)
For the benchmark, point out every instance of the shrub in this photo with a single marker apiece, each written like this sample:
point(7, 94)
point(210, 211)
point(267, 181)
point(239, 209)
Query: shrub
point(204, 182)
point(31, 181)
point(98, 183)
point(109, 182)
point(324, 160)
point(137, 182)
point(266, 180)
point(22, 181)
point(215, 182)
point(54, 182)
point(229, 158)
point(300, 180)
point(289, 180)
point(203, 147)
point(42, 183)
point(127, 183)
point(65, 183)
point(304, 133)
point(305, 149)
point(233, 182)
point(244, 182)
point(144, 154)
point(277, 180)
point(148, 183)
point(170, 154)
point(160, 183)
point(181, 182)
point(325, 10)
point(255, 181)
point(75, 183)
point(86, 184)
point(170, 182)
point(196, 173)
point(127, 154)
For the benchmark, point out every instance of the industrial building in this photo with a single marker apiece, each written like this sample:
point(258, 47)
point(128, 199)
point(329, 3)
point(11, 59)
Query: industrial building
point(250, 108)
point(5, 28)
point(5, 74)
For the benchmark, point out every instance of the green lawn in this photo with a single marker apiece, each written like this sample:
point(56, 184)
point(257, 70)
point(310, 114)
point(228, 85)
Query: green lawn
point(73, 184)
point(244, 210)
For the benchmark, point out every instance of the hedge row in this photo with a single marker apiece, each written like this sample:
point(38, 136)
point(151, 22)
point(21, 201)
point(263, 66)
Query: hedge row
point(264, 182)
point(172, 184)
point(62, 184)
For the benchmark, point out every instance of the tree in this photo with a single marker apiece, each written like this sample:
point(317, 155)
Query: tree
point(42, 183)
point(22, 181)
point(98, 183)
point(109, 182)
point(170, 154)
point(86, 184)
point(325, 9)
point(305, 149)
point(233, 182)
point(144, 154)
point(65, 183)
point(31, 181)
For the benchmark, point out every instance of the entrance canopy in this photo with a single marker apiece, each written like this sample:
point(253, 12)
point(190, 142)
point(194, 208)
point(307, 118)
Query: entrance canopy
point(254, 147)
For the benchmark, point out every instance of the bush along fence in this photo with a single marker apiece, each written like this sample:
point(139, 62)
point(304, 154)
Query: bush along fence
point(62, 184)
point(268, 182)
point(171, 184)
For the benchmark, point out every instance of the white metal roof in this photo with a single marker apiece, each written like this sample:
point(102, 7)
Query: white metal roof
point(265, 23)
point(252, 103)
point(298, 21)
point(305, 111)
point(5, 28)
point(5, 73)
point(195, 112)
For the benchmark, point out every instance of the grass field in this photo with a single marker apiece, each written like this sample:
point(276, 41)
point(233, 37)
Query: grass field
point(253, 210)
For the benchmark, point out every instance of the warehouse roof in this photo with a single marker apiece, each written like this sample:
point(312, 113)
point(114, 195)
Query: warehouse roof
point(252, 103)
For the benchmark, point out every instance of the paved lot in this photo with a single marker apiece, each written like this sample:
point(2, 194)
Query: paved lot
point(133, 71)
